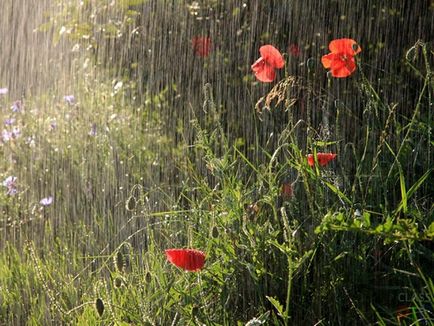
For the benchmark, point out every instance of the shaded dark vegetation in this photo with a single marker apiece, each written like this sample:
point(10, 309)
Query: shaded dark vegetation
point(160, 58)
point(214, 142)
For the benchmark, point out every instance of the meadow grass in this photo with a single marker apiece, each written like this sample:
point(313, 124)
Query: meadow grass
point(350, 244)
point(315, 256)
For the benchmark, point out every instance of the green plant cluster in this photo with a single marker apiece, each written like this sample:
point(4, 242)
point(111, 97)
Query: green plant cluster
point(350, 244)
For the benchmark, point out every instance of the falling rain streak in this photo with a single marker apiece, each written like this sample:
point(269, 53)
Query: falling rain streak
point(288, 142)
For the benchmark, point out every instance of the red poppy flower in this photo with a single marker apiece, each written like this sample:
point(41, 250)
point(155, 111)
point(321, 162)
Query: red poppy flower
point(264, 67)
point(341, 61)
point(201, 45)
point(323, 158)
point(188, 259)
point(287, 191)
point(294, 50)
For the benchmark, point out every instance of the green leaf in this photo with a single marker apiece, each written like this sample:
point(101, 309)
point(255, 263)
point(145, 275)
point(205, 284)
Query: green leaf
point(341, 255)
point(264, 317)
point(282, 247)
point(387, 227)
point(340, 217)
point(413, 189)
point(324, 143)
point(320, 228)
point(276, 304)
point(366, 219)
point(430, 231)
point(403, 190)
point(357, 223)
point(339, 193)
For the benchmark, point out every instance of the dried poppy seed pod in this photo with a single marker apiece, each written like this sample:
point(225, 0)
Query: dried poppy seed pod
point(99, 306)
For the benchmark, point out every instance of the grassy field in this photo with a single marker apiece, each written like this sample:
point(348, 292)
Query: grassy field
point(99, 181)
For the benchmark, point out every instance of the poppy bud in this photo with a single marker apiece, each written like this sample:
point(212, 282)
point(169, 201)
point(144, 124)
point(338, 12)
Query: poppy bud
point(119, 262)
point(411, 54)
point(338, 104)
point(310, 63)
point(99, 305)
point(355, 47)
point(136, 191)
point(215, 232)
point(148, 277)
point(118, 282)
point(131, 204)
point(194, 311)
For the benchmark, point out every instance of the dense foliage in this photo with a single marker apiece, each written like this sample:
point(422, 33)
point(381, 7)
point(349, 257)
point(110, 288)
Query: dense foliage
point(310, 197)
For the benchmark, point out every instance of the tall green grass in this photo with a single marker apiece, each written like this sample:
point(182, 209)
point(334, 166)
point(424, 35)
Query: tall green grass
point(351, 245)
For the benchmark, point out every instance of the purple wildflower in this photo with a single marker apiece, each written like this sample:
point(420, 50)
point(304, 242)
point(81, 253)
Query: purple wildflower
point(3, 91)
point(10, 121)
point(12, 191)
point(9, 135)
point(46, 201)
point(9, 183)
point(17, 106)
point(70, 99)
point(6, 135)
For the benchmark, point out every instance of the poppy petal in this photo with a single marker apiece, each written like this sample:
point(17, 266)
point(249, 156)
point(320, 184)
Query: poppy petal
point(310, 160)
point(265, 73)
point(188, 259)
point(328, 59)
point(323, 158)
point(201, 45)
point(294, 50)
point(258, 65)
point(287, 191)
point(344, 69)
point(272, 56)
point(344, 45)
